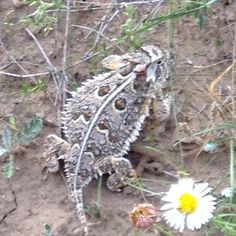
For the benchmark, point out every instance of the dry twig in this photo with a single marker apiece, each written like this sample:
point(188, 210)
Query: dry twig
point(56, 74)
point(13, 60)
point(23, 76)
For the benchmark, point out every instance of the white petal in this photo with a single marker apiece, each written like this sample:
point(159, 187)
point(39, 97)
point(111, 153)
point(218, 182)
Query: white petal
point(227, 192)
point(206, 202)
point(205, 207)
point(194, 221)
point(174, 193)
point(186, 184)
point(201, 189)
point(175, 219)
point(174, 189)
point(190, 220)
point(168, 215)
point(179, 221)
point(208, 198)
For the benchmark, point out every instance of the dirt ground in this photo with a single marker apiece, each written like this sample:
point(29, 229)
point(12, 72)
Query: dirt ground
point(201, 54)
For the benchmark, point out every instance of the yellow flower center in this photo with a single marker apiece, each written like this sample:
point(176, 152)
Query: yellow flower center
point(187, 203)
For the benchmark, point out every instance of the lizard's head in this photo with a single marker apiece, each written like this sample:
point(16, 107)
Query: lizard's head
point(156, 68)
point(149, 66)
point(157, 63)
point(152, 71)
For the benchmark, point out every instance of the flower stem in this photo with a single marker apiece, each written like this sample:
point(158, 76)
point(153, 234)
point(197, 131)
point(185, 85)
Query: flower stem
point(161, 230)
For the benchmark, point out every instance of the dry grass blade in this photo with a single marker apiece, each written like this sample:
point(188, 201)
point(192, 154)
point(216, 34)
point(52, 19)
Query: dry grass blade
point(218, 79)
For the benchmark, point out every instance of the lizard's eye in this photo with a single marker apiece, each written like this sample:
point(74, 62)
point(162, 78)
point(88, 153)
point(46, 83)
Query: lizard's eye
point(159, 62)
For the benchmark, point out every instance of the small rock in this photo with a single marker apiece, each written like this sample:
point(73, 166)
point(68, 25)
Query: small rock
point(17, 3)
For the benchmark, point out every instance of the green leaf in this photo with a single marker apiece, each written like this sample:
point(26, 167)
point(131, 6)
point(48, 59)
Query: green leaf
point(29, 130)
point(2, 151)
point(6, 138)
point(12, 122)
point(8, 169)
point(58, 4)
point(26, 21)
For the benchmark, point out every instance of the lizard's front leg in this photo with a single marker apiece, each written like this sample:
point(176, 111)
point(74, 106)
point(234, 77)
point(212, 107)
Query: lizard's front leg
point(55, 149)
point(161, 107)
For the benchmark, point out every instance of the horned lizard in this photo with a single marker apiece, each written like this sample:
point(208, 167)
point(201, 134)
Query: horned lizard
point(103, 118)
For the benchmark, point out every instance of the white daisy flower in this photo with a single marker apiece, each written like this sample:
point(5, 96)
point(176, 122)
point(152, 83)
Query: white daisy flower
point(227, 192)
point(188, 205)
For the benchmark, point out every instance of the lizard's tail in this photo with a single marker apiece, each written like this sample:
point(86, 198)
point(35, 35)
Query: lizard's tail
point(81, 212)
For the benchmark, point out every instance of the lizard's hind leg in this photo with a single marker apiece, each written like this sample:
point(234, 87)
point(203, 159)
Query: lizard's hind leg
point(118, 167)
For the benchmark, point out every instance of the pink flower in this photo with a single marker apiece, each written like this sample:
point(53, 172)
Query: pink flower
point(143, 216)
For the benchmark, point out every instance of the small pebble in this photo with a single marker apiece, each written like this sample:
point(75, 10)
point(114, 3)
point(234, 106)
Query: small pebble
point(17, 3)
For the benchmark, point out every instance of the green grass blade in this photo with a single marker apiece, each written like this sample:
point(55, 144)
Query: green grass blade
point(182, 12)
point(8, 169)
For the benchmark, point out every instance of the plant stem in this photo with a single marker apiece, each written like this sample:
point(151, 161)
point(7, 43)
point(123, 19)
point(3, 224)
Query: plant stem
point(162, 230)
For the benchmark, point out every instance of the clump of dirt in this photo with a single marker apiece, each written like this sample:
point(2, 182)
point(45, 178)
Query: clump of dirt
point(27, 202)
